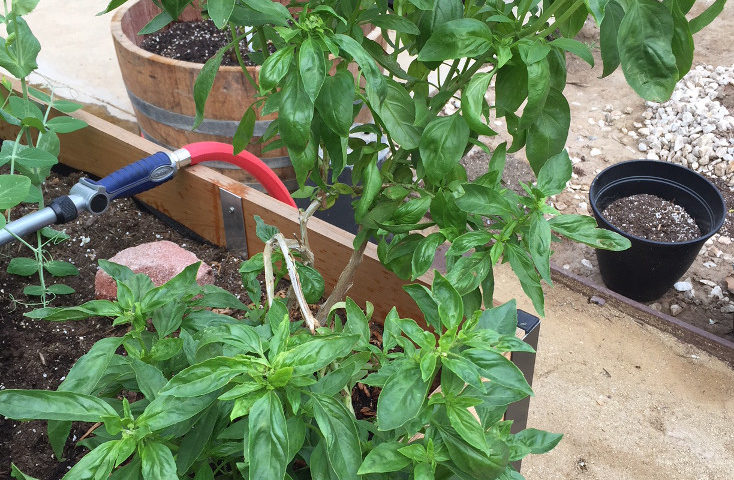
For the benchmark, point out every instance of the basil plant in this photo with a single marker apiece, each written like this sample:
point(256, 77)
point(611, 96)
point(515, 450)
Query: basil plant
point(410, 171)
point(190, 393)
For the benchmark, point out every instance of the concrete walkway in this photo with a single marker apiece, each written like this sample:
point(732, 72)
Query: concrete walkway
point(77, 55)
point(634, 403)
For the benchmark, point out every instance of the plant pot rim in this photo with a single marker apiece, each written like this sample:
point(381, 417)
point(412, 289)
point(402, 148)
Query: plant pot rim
point(124, 41)
point(593, 187)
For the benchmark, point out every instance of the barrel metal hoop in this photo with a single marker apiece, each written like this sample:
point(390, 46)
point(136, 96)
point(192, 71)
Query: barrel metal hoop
point(179, 121)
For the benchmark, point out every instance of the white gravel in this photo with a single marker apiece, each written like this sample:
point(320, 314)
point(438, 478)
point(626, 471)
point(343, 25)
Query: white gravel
point(693, 128)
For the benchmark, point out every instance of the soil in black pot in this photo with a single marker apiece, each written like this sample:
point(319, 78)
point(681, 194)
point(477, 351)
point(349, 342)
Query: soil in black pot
point(652, 218)
point(194, 42)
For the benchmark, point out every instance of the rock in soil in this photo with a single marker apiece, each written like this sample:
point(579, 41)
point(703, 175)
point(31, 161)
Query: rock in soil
point(161, 261)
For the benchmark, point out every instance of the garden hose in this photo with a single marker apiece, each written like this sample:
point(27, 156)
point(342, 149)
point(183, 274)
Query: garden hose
point(95, 196)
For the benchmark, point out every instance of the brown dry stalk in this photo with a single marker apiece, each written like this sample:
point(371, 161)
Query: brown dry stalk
point(290, 265)
point(343, 284)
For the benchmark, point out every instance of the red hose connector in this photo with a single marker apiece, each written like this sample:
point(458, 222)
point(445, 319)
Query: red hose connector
point(222, 152)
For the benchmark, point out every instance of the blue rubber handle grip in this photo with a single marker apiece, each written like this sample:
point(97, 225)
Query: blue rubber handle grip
point(139, 176)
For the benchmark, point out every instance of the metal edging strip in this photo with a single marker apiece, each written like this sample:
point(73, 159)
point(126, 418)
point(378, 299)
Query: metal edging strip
point(518, 412)
point(233, 220)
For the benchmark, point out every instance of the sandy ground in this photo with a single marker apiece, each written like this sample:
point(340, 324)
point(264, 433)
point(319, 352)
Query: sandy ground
point(634, 403)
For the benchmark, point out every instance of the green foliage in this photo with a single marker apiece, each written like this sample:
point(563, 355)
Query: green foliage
point(30, 157)
point(259, 396)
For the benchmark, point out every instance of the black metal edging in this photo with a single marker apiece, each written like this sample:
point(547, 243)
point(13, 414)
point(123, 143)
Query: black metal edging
point(518, 412)
point(719, 347)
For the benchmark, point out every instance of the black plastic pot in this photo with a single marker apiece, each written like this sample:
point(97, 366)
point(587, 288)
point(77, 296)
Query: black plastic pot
point(649, 268)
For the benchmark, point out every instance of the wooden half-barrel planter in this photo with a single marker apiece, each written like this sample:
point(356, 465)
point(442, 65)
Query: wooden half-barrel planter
point(161, 92)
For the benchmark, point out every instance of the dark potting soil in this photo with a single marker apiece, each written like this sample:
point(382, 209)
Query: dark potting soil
point(653, 218)
point(194, 42)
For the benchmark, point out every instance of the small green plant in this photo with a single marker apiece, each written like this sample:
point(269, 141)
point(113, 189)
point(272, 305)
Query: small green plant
point(204, 394)
point(30, 156)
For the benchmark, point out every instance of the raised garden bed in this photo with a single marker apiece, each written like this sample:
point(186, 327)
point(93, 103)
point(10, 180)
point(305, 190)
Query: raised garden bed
point(201, 201)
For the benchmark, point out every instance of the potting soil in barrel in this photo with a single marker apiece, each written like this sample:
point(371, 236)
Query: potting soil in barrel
point(196, 42)
point(653, 218)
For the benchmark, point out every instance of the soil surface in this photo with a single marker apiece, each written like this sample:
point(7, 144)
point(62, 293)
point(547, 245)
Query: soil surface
point(653, 218)
point(194, 42)
point(605, 114)
point(38, 354)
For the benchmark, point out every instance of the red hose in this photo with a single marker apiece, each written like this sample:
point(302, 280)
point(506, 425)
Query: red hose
point(222, 152)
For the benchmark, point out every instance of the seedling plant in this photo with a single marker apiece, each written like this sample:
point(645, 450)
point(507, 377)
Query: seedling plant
point(29, 157)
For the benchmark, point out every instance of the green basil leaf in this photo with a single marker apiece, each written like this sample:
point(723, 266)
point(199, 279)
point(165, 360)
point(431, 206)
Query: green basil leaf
point(466, 425)
point(275, 68)
point(334, 102)
point(450, 307)
point(463, 37)
point(464, 369)
point(427, 305)
point(203, 85)
point(472, 103)
point(372, 184)
point(220, 11)
point(525, 271)
point(312, 67)
point(469, 272)
point(405, 388)
point(442, 145)
point(267, 442)
point(159, 414)
point(483, 200)
point(574, 46)
point(645, 52)
point(49, 405)
point(205, 377)
point(708, 16)
point(295, 114)
point(245, 129)
point(554, 174)
point(501, 319)
point(312, 282)
point(340, 432)
point(497, 367)
point(397, 111)
point(315, 354)
point(385, 457)
point(547, 135)
point(376, 84)
point(157, 461)
point(581, 228)
point(424, 254)
point(473, 461)
point(538, 441)
point(539, 239)
point(608, 34)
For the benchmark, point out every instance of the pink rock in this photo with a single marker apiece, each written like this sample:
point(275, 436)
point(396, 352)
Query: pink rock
point(161, 261)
